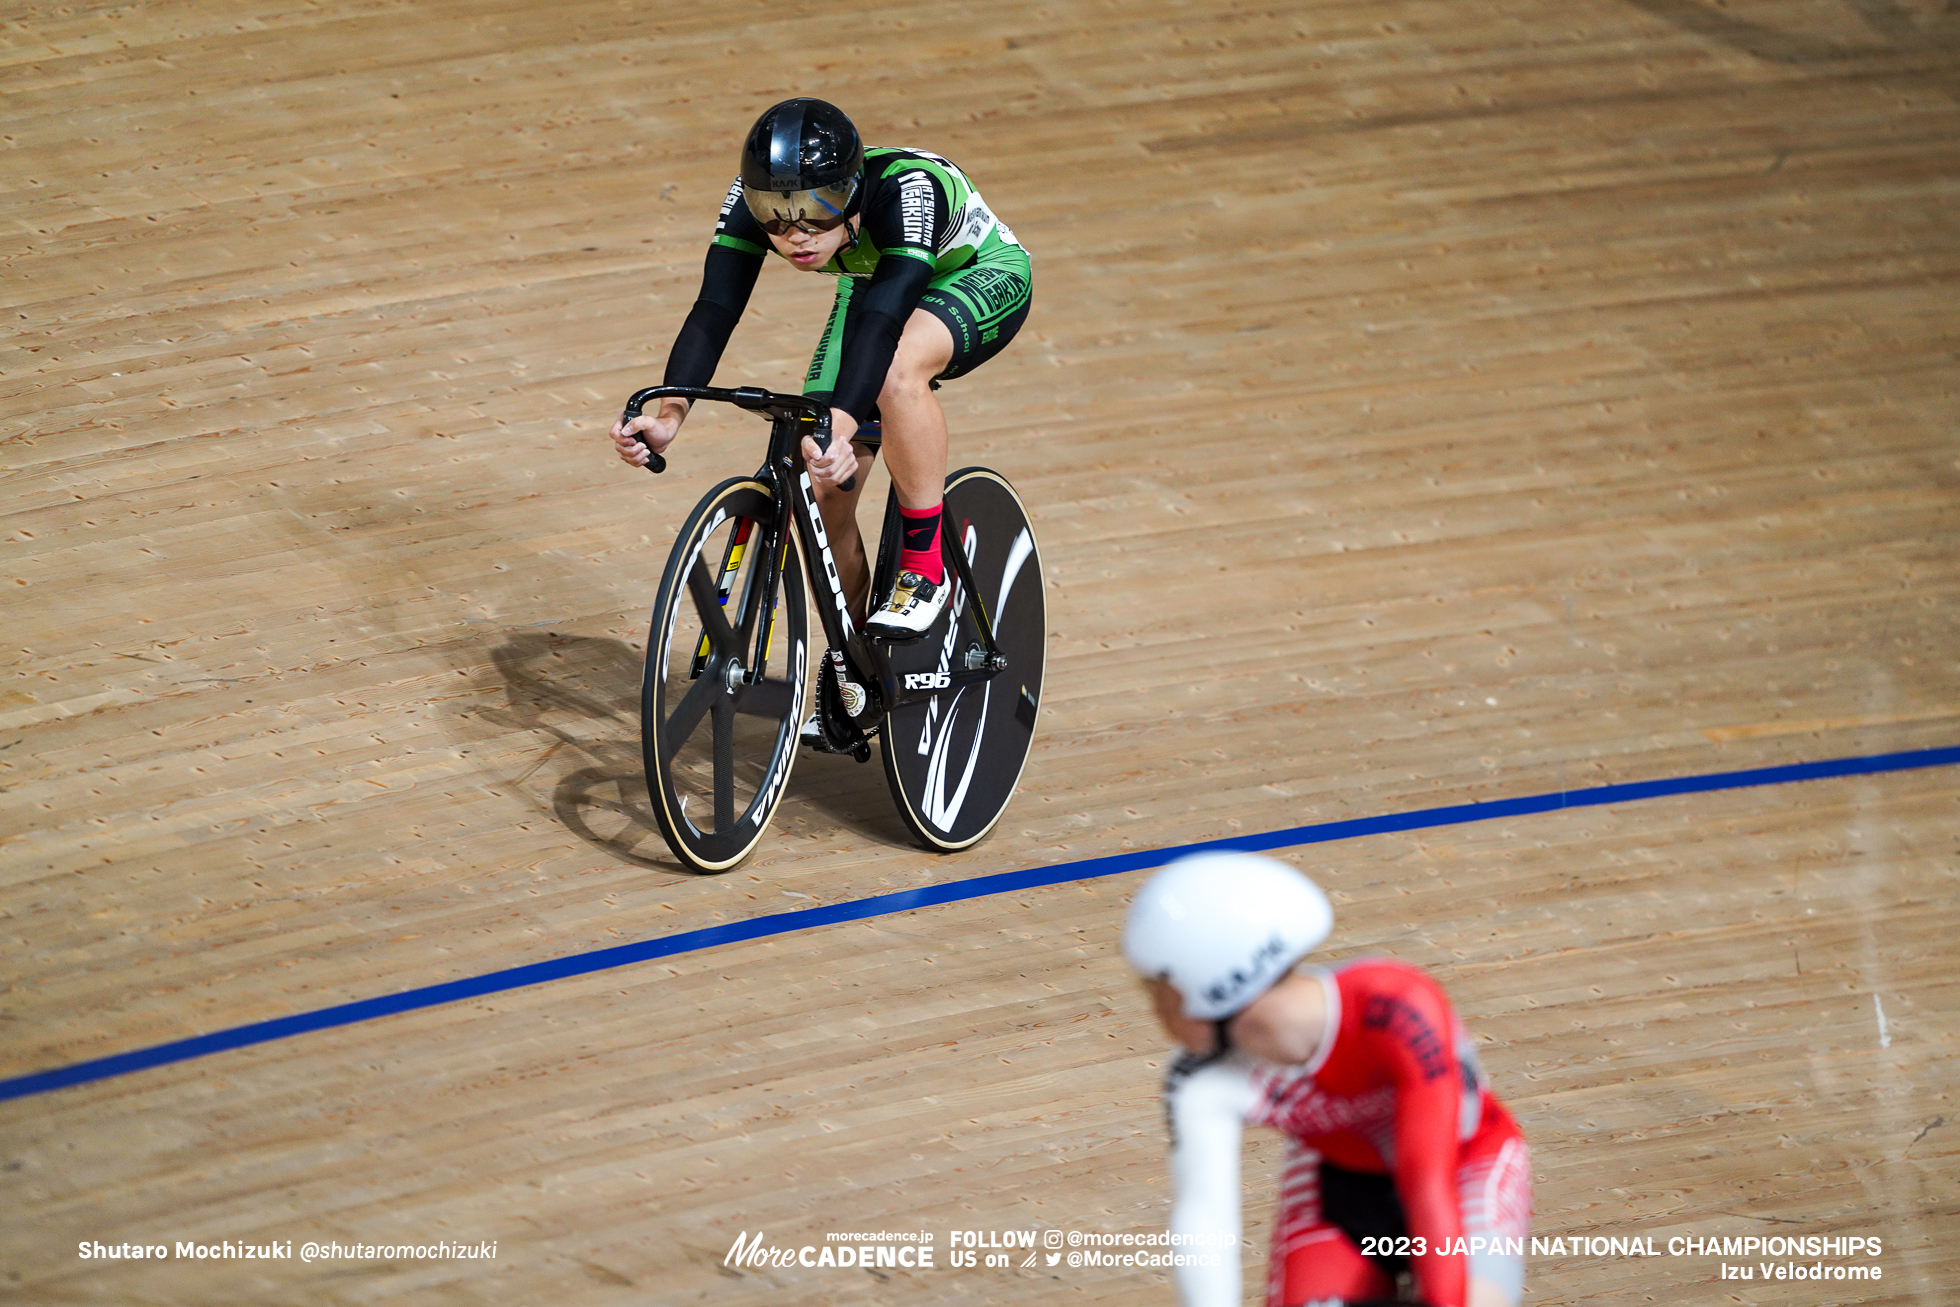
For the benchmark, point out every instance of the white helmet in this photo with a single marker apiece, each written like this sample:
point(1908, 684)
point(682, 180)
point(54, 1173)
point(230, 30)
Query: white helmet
point(1222, 927)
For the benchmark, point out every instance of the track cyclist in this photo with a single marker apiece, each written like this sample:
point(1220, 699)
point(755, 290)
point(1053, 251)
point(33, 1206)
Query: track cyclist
point(930, 286)
point(1399, 1159)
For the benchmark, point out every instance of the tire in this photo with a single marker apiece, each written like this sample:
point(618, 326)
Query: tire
point(717, 749)
point(953, 762)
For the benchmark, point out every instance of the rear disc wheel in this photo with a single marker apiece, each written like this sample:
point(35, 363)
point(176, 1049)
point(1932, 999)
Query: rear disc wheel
point(953, 761)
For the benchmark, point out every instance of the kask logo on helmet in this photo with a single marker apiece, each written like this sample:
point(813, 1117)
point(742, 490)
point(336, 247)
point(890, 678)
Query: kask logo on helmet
point(1257, 968)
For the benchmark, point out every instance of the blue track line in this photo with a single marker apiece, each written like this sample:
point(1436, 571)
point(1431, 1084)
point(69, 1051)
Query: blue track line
point(782, 923)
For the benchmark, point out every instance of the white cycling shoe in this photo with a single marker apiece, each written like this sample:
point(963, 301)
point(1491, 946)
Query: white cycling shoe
point(915, 604)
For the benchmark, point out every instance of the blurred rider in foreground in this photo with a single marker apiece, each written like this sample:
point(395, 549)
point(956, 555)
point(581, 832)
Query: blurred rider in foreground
point(1400, 1162)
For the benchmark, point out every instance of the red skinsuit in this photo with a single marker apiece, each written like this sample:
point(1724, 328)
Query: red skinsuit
point(1394, 1089)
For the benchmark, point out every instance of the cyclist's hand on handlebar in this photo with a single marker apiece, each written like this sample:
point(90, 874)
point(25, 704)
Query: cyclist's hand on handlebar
point(659, 428)
point(839, 463)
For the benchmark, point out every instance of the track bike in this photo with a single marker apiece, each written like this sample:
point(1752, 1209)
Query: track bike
point(728, 669)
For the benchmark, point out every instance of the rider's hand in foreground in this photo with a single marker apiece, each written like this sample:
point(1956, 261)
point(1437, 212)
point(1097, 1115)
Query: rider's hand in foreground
point(659, 427)
point(838, 464)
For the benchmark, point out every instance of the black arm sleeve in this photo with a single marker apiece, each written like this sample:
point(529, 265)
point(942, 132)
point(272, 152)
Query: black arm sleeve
point(871, 333)
point(727, 277)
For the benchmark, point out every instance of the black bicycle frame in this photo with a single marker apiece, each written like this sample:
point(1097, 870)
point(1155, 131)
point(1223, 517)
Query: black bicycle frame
point(792, 417)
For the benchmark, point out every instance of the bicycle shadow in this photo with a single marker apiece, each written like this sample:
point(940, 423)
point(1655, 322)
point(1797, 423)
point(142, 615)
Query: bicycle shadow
point(585, 692)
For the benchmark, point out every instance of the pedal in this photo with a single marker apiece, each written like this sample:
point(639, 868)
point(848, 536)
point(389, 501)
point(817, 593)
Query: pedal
point(816, 743)
point(858, 748)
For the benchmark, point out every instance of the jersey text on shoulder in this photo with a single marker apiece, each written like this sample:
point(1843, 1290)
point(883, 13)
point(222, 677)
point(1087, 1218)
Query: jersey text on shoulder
point(1403, 1022)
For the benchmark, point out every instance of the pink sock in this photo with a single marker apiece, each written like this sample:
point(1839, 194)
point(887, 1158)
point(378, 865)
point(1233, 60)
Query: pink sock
point(919, 544)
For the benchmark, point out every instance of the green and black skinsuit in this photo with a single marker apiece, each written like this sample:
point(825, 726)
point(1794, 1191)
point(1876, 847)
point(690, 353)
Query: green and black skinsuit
point(926, 240)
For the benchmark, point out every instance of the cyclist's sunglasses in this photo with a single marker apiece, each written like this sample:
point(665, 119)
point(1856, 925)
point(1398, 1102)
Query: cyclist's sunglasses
point(784, 226)
point(811, 211)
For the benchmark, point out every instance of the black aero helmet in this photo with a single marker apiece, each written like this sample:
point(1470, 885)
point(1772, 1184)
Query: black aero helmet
point(800, 167)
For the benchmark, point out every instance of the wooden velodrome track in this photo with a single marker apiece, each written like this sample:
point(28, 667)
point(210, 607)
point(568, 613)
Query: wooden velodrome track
point(1423, 404)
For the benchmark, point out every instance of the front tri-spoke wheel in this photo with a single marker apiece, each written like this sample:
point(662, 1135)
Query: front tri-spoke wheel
point(727, 657)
